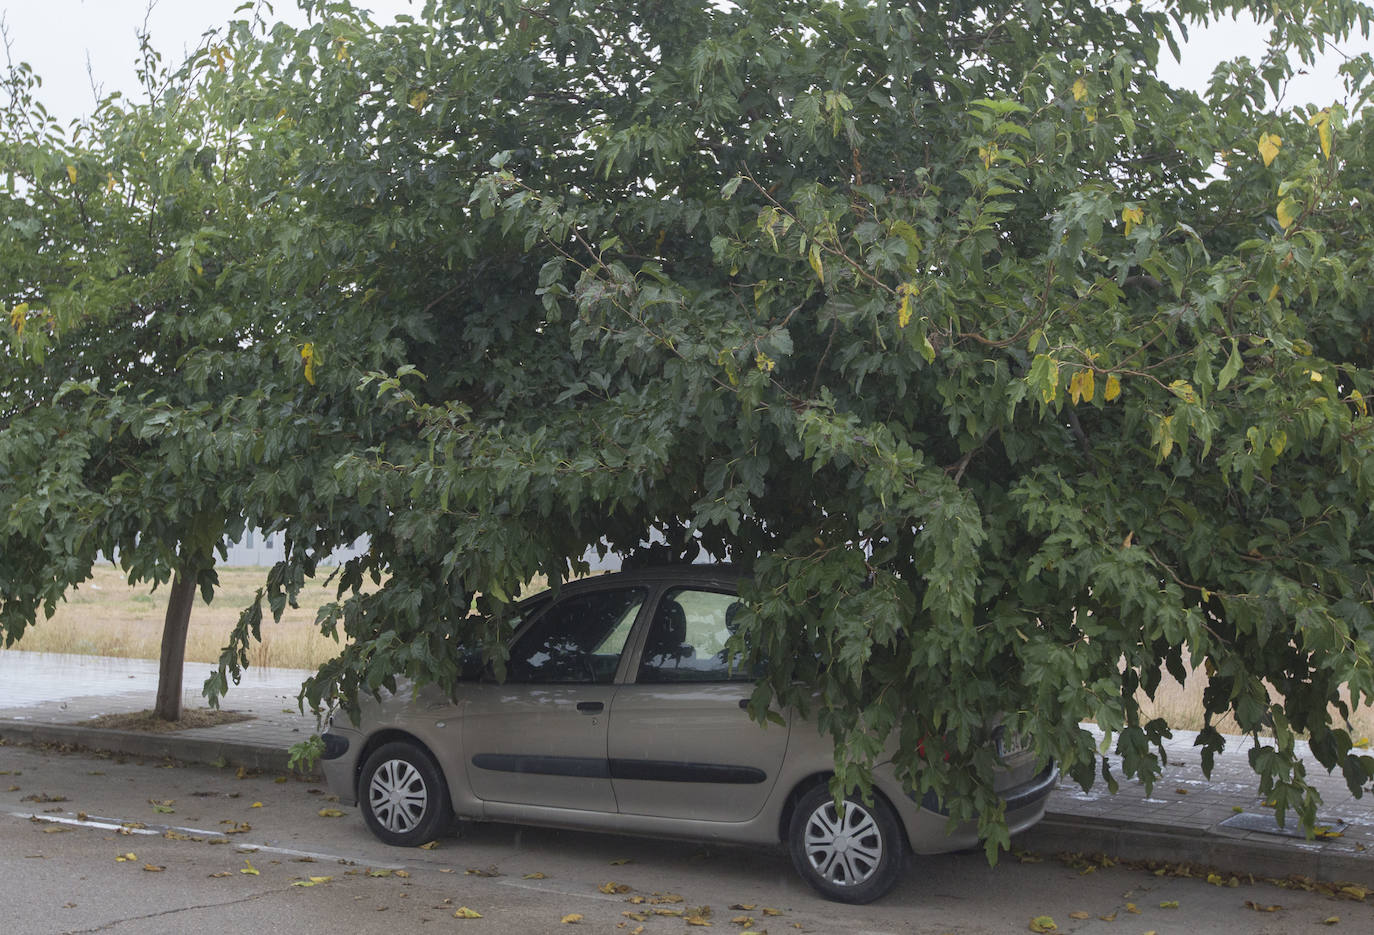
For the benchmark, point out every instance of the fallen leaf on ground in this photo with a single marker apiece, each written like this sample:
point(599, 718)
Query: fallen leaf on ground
point(534, 876)
point(249, 869)
point(54, 829)
point(1130, 907)
point(330, 813)
point(1110, 918)
point(463, 912)
point(256, 805)
point(1043, 924)
point(771, 912)
point(222, 873)
point(126, 858)
point(479, 872)
point(1260, 907)
point(745, 921)
point(571, 918)
point(636, 916)
point(430, 846)
point(620, 861)
point(747, 907)
point(612, 888)
point(1169, 904)
point(1331, 920)
point(153, 868)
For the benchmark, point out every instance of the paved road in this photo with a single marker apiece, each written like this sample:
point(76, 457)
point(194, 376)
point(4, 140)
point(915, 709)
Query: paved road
point(67, 818)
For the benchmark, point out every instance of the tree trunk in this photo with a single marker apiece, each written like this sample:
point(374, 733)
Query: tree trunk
point(174, 627)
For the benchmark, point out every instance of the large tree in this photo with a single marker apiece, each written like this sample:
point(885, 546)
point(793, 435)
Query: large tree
point(1015, 376)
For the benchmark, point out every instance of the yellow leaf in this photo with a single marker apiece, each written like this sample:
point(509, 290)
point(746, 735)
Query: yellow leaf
point(1363, 742)
point(1273, 293)
point(771, 912)
point(71, 172)
point(256, 805)
point(1110, 918)
point(571, 918)
point(1080, 89)
point(534, 876)
point(814, 256)
point(308, 357)
point(126, 858)
point(153, 868)
point(1321, 120)
point(612, 888)
point(109, 182)
point(19, 317)
point(1043, 924)
point(696, 920)
point(248, 868)
point(1112, 389)
point(1183, 390)
point(1169, 904)
point(1287, 213)
point(1269, 144)
point(1331, 920)
point(904, 310)
point(1082, 386)
point(620, 861)
point(418, 99)
point(1132, 217)
point(1131, 908)
point(1260, 907)
point(329, 812)
point(463, 912)
point(429, 846)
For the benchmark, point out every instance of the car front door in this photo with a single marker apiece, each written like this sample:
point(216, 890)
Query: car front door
point(539, 738)
point(681, 744)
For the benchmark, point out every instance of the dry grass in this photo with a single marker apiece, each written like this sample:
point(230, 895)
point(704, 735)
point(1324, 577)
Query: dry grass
point(1181, 706)
point(108, 617)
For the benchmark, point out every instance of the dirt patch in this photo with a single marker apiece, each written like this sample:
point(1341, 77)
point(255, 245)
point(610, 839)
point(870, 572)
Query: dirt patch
point(148, 722)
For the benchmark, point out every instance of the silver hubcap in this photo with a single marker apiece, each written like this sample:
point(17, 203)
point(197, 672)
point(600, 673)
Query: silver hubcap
point(843, 850)
point(397, 796)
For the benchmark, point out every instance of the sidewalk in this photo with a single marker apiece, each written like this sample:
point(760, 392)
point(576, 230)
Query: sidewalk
point(1219, 822)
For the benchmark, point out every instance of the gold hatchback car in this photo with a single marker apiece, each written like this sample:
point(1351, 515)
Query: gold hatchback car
point(621, 712)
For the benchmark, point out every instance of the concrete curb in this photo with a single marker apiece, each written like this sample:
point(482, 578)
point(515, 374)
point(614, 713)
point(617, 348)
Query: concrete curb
point(1058, 833)
point(172, 745)
point(1127, 840)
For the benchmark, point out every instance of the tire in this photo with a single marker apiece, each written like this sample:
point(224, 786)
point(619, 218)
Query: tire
point(403, 796)
point(854, 859)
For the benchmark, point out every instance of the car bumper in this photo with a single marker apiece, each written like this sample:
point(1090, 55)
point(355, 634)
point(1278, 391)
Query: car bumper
point(928, 826)
point(340, 763)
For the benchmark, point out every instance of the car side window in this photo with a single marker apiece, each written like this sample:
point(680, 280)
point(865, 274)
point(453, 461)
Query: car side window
point(579, 639)
point(686, 640)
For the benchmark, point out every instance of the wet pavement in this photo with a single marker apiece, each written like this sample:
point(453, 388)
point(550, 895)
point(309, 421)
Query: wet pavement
point(1218, 822)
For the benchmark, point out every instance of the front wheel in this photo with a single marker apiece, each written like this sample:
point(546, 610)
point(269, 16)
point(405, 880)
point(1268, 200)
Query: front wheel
point(853, 854)
point(402, 794)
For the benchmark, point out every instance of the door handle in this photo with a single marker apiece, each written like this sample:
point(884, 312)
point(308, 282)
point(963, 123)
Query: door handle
point(590, 707)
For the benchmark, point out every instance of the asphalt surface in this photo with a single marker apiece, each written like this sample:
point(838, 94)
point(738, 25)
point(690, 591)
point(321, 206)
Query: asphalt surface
point(1217, 821)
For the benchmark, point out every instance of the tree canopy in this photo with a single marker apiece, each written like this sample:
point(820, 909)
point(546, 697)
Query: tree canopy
point(1015, 377)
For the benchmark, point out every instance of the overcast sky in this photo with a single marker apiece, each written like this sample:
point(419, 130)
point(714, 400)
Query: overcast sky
point(60, 37)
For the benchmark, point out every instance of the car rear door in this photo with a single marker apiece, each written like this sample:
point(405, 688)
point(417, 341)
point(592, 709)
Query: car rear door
point(539, 738)
point(681, 744)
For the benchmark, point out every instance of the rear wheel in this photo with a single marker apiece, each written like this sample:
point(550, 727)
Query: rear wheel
point(402, 795)
point(853, 854)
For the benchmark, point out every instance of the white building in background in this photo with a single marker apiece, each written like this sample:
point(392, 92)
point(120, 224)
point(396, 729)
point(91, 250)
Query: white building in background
point(264, 550)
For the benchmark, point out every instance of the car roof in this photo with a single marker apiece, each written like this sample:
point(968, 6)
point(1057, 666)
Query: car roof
point(719, 574)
